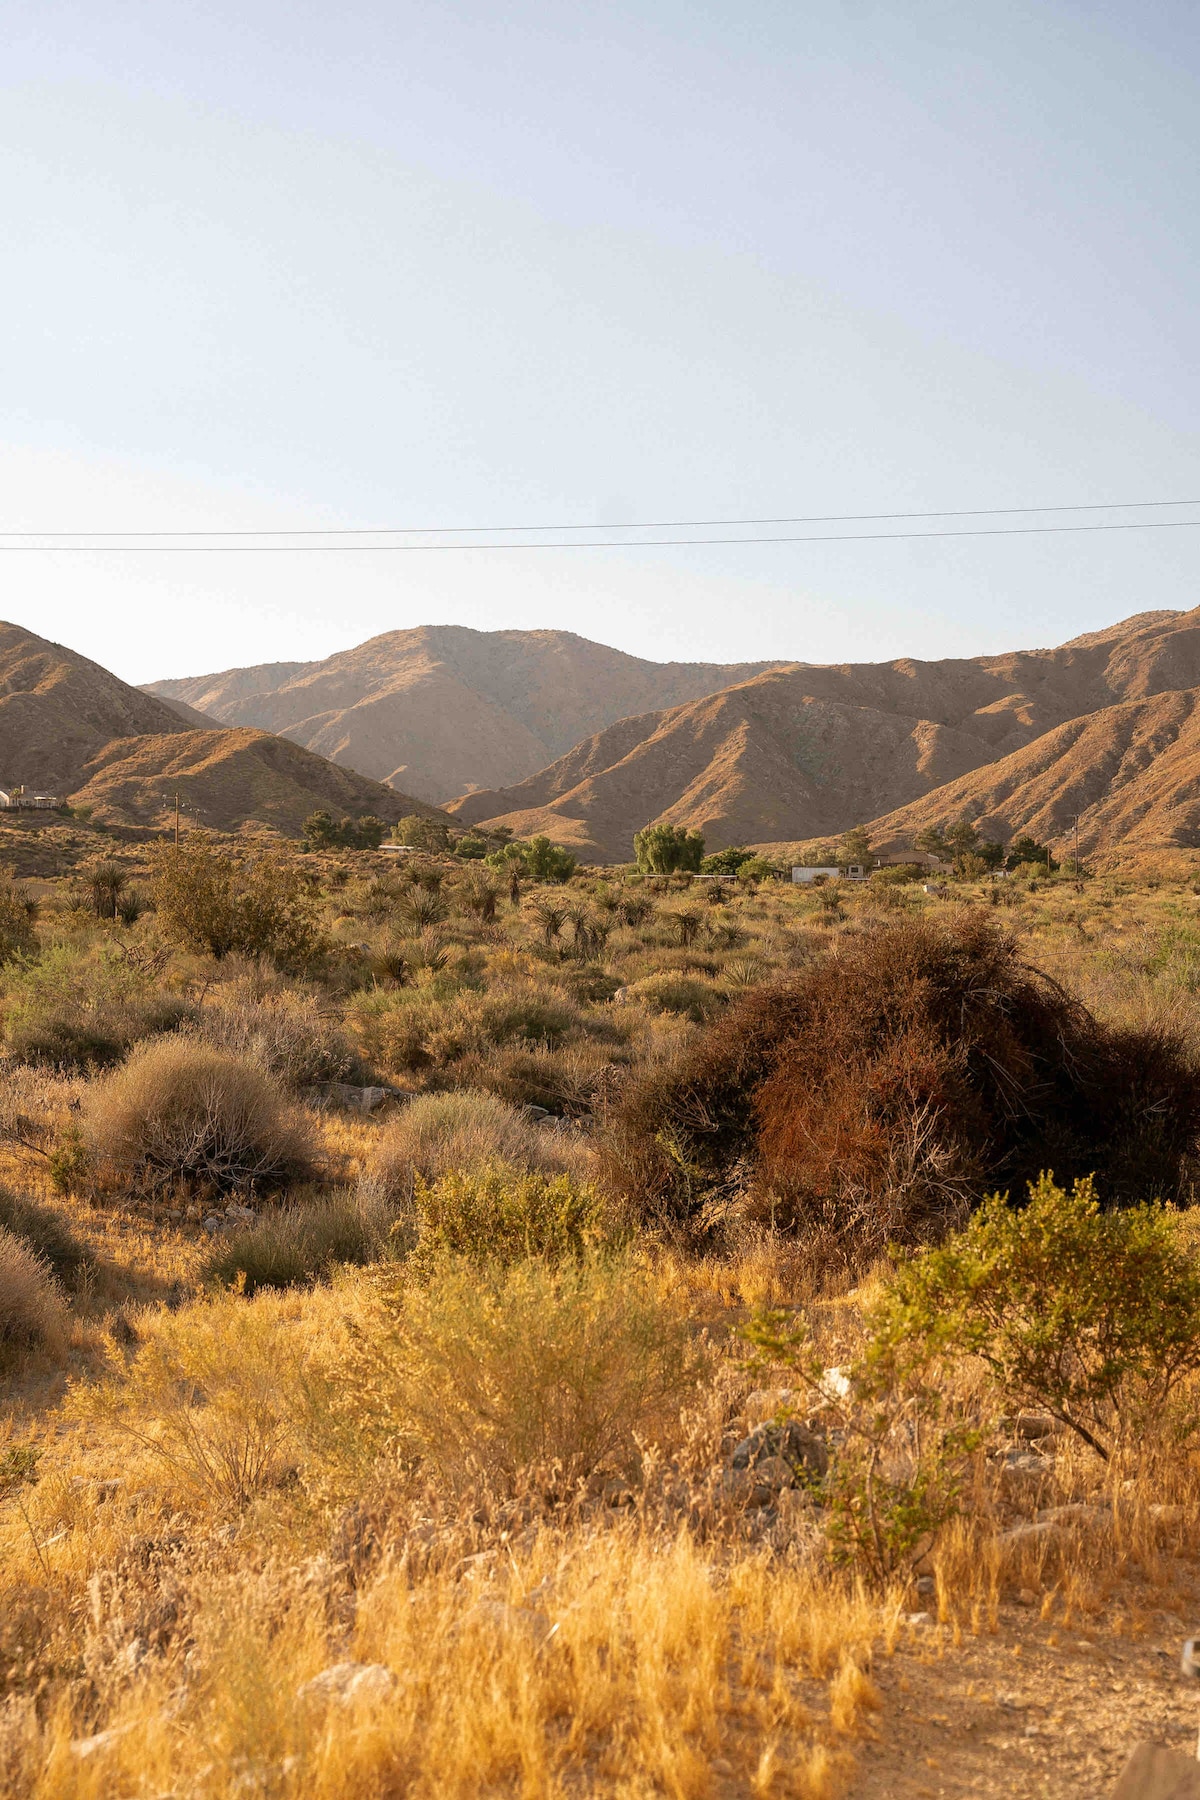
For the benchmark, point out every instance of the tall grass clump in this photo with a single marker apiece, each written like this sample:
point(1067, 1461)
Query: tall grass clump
point(179, 1111)
point(51, 1240)
point(460, 1130)
point(292, 1247)
point(496, 1213)
point(490, 1375)
point(32, 1314)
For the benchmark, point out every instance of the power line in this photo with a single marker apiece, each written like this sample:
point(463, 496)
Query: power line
point(971, 512)
point(843, 537)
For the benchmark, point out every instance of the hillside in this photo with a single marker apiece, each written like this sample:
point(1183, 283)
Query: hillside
point(442, 709)
point(1131, 773)
point(226, 778)
point(70, 726)
point(57, 709)
point(805, 751)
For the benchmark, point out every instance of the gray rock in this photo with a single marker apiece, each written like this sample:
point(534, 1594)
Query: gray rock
point(241, 1215)
point(215, 1222)
point(348, 1683)
point(796, 1444)
point(1036, 1425)
point(525, 1621)
point(1040, 1531)
point(1077, 1512)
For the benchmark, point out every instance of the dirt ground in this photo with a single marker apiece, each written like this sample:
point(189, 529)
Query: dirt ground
point(1036, 1711)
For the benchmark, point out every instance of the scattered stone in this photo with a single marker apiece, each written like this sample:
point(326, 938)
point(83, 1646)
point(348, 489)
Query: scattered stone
point(348, 1683)
point(214, 1222)
point(925, 1584)
point(795, 1444)
point(1027, 1597)
point(536, 1113)
point(918, 1618)
point(344, 1097)
point(1079, 1512)
point(241, 1215)
point(1036, 1425)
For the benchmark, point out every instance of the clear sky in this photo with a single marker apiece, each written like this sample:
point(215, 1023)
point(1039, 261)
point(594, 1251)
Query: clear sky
point(278, 263)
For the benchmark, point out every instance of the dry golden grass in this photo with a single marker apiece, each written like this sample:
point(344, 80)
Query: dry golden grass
point(200, 1542)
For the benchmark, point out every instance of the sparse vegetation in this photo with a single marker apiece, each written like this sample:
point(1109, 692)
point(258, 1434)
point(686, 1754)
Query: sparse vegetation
point(376, 1293)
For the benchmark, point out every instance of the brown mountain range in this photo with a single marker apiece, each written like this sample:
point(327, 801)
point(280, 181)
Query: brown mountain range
point(805, 751)
point(70, 727)
point(1130, 774)
point(441, 709)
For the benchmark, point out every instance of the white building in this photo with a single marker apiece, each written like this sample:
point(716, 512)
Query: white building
point(855, 872)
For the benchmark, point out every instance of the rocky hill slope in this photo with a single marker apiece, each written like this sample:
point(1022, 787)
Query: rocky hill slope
point(441, 709)
point(69, 726)
point(805, 750)
point(57, 709)
point(1131, 774)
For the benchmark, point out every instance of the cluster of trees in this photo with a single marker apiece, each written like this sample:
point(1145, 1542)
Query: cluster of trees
point(970, 854)
point(668, 850)
point(323, 832)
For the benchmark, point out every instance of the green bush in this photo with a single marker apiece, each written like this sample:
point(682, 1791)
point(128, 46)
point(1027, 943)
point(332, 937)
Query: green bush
point(695, 999)
point(292, 1248)
point(438, 1133)
point(265, 907)
point(73, 1009)
point(1089, 1315)
point(499, 1213)
point(538, 1367)
point(17, 914)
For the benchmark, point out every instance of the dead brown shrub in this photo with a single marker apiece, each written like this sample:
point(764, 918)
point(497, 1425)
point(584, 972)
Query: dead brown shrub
point(181, 1111)
point(878, 1095)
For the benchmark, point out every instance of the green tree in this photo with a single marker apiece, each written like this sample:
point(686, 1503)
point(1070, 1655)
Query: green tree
point(323, 832)
point(545, 861)
point(421, 833)
point(726, 862)
point(668, 849)
point(855, 847)
point(1026, 849)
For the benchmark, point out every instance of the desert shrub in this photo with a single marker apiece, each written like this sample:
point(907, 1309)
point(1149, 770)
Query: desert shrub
point(695, 999)
point(265, 907)
point(426, 1027)
point(493, 1376)
point(524, 1013)
point(31, 1308)
point(299, 1245)
point(1092, 1316)
point(17, 914)
point(179, 1111)
point(212, 1396)
point(78, 1010)
point(52, 1241)
point(576, 1081)
point(288, 1033)
point(437, 1133)
point(499, 1213)
point(874, 1095)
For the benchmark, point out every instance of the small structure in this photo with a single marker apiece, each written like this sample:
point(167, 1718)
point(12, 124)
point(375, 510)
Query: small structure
point(20, 799)
point(807, 873)
point(399, 849)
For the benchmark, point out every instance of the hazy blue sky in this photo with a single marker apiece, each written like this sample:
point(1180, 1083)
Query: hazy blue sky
point(316, 264)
